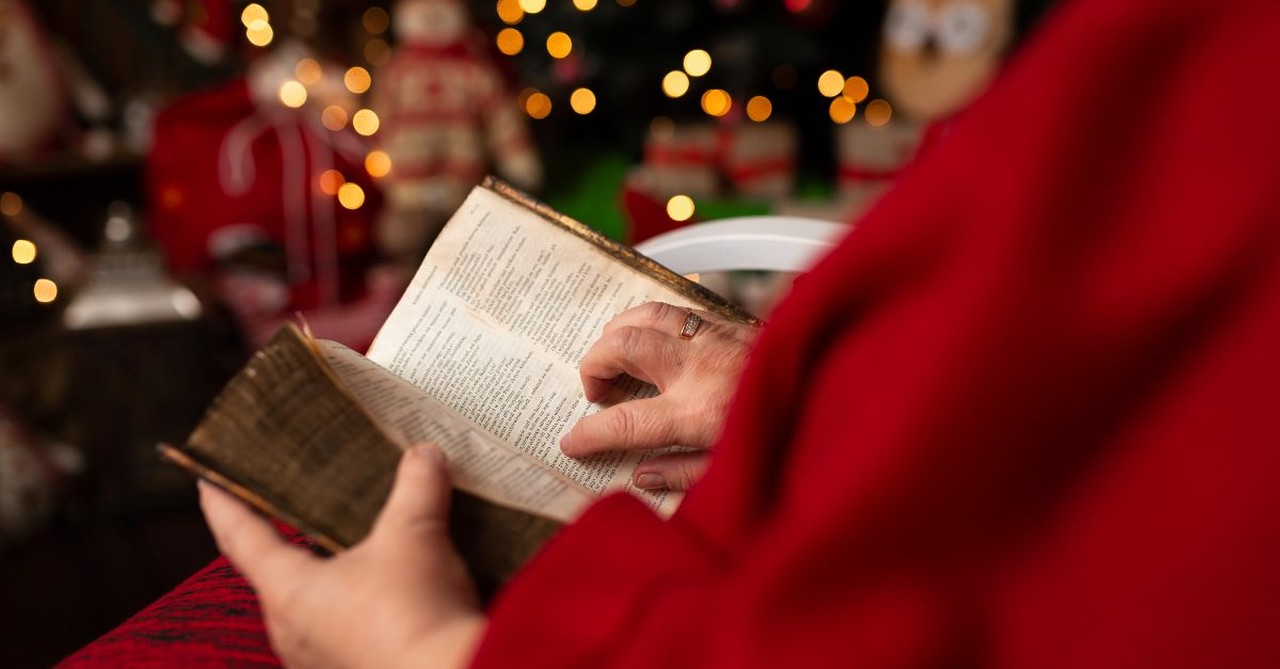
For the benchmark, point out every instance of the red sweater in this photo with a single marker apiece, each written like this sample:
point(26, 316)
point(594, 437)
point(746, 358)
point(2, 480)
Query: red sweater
point(1028, 414)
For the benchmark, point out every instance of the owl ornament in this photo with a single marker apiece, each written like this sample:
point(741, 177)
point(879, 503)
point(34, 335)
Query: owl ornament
point(938, 55)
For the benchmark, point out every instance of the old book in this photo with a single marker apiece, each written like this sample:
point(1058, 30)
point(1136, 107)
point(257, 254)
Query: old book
point(479, 357)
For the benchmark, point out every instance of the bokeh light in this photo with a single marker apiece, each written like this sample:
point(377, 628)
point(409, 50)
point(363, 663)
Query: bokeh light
point(330, 181)
point(510, 41)
point(10, 204)
point(293, 94)
point(759, 109)
point(334, 117)
point(377, 52)
point(538, 105)
point(510, 12)
point(697, 63)
point(856, 89)
point(716, 102)
point(45, 291)
point(365, 122)
point(559, 44)
point(254, 12)
point(843, 110)
point(680, 208)
point(533, 6)
point(831, 83)
point(585, 5)
point(308, 71)
point(259, 33)
point(351, 196)
point(879, 113)
point(675, 84)
point(376, 20)
point(24, 252)
point(377, 164)
point(357, 80)
point(583, 101)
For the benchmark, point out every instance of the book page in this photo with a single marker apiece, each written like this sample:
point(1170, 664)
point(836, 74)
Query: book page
point(480, 463)
point(495, 322)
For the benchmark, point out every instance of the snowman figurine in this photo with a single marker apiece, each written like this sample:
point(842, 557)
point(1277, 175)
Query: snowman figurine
point(446, 119)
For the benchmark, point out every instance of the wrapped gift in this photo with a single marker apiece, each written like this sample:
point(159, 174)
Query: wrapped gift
point(759, 159)
point(870, 156)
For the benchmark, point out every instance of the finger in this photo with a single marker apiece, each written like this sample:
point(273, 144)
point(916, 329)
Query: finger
point(251, 543)
point(646, 354)
point(419, 500)
point(637, 425)
point(659, 316)
point(673, 471)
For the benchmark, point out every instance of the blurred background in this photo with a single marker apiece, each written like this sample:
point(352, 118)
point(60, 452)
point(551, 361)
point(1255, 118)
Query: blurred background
point(180, 177)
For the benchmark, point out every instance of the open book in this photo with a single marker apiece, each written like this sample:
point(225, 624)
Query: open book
point(480, 357)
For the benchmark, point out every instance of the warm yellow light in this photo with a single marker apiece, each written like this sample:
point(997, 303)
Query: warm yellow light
point(308, 71)
point(24, 252)
point(259, 33)
point(45, 291)
point(376, 20)
point(254, 12)
point(675, 84)
point(334, 118)
point(377, 164)
point(330, 181)
point(856, 89)
point(831, 83)
point(879, 113)
point(716, 102)
point(559, 44)
point(377, 52)
point(680, 208)
point(10, 204)
point(293, 94)
point(583, 101)
point(533, 6)
point(357, 80)
point(759, 109)
point(584, 5)
point(510, 41)
point(365, 122)
point(509, 11)
point(538, 105)
point(843, 110)
point(697, 63)
point(351, 196)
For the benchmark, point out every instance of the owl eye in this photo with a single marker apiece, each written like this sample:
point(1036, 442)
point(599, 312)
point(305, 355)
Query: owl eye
point(962, 27)
point(908, 25)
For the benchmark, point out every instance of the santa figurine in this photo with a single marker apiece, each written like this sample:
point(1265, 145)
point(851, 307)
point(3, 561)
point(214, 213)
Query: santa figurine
point(447, 118)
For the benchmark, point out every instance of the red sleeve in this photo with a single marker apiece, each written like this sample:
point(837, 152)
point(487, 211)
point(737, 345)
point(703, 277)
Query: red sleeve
point(1026, 415)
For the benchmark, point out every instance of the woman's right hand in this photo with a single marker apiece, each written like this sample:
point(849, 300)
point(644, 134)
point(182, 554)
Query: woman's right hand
point(696, 377)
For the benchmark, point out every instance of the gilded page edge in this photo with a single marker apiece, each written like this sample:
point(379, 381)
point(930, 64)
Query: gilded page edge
point(624, 254)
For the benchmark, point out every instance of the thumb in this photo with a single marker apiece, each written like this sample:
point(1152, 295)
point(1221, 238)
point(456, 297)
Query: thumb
point(419, 500)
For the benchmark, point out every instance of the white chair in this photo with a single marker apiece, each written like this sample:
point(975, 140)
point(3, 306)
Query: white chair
point(773, 243)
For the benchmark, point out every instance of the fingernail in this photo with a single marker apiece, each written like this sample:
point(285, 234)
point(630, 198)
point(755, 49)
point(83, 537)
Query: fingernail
point(426, 452)
point(650, 481)
point(566, 443)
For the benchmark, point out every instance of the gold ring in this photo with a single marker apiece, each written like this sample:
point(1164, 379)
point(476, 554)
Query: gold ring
point(691, 324)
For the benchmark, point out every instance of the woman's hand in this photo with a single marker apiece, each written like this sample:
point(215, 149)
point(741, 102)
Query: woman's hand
point(401, 597)
point(696, 377)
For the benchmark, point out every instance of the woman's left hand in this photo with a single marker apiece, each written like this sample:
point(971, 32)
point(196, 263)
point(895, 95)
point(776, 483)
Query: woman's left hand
point(401, 597)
